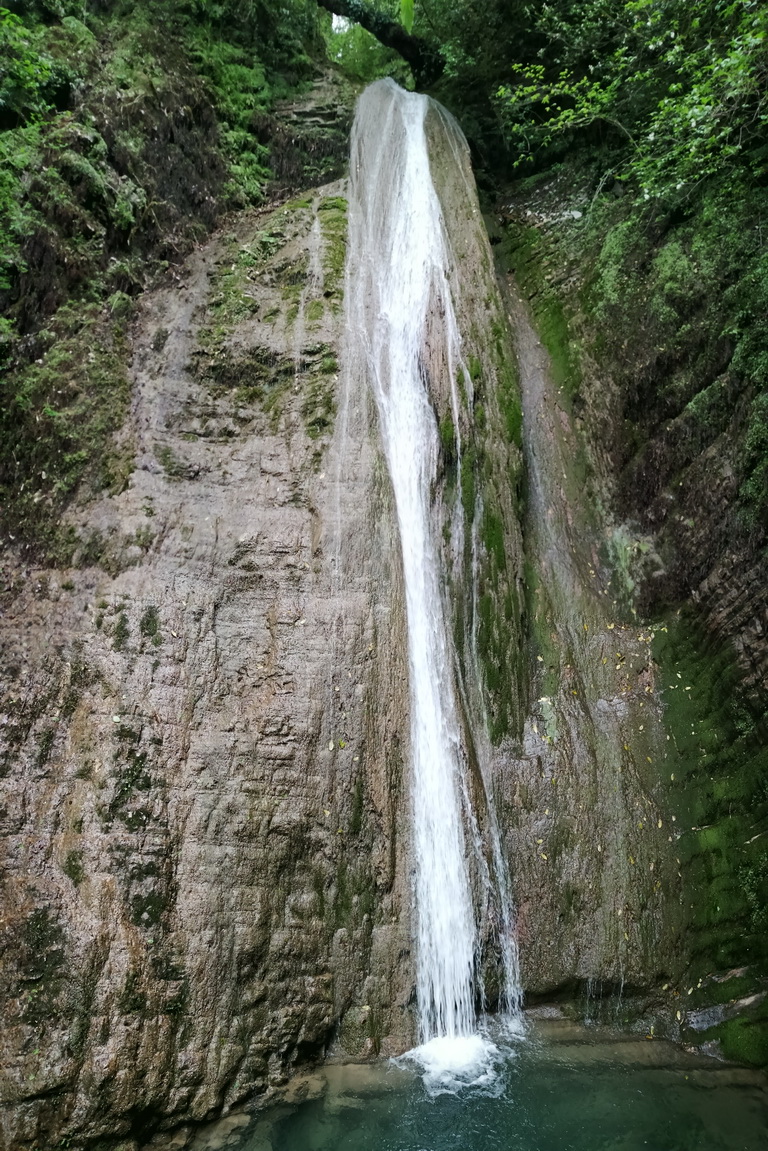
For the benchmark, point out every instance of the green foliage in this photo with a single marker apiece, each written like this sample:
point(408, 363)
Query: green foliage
point(23, 71)
point(754, 489)
point(406, 14)
point(681, 85)
point(98, 191)
point(361, 56)
point(696, 368)
point(19, 152)
point(241, 90)
point(717, 760)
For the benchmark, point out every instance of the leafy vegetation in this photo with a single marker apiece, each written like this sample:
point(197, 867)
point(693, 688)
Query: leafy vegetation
point(124, 132)
point(657, 111)
point(680, 85)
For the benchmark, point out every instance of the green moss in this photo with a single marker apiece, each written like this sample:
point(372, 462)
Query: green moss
point(542, 638)
point(356, 815)
point(522, 252)
point(493, 649)
point(121, 632)
point(717, 767)
point(508, 393)
point(468, 482)
point(174, 467)
point(493, 538)
point(333, 204)
point(448, 441)
point(298, 204)
point(260, 377)
point(58, 417)
point(318, 406)
point(354, 895)
point(332, 214)
point(745, 1040)
point(149, 625)
point(315, 311)
point(73, 867)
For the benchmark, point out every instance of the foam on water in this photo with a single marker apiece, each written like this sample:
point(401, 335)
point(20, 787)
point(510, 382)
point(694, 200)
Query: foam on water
point(449, 1065)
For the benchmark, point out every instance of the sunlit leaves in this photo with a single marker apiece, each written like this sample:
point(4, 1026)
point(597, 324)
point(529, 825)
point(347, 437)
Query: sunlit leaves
point(24, 70)
point(683, 82)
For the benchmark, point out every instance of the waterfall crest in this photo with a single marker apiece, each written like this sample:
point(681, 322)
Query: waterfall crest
point(397, 278)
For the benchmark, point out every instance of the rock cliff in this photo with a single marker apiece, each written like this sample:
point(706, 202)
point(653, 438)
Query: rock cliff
point(204, 732)
point(205, 789)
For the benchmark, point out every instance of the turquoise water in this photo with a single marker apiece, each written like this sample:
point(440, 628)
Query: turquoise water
point(561, 1089)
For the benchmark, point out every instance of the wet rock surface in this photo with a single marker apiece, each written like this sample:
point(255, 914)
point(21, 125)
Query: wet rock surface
point(669, 551)
point(587, 830)
point(204, 792)
point(203, 751)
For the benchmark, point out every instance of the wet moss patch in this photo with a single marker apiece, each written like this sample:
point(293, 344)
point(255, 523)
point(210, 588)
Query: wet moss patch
point(60, 416)
point(41, 964)
point(261, 377)
point(718, 781)
point(332, 214)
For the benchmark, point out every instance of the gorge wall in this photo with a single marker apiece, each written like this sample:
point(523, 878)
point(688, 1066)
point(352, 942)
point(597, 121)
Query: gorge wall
point(203, 810)
point(205, 798)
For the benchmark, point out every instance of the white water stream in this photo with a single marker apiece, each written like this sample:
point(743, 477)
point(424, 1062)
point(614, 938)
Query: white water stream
point(397, 273)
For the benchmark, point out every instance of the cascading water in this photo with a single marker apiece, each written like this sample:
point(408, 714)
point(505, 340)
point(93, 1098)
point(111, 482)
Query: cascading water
point(397, 275)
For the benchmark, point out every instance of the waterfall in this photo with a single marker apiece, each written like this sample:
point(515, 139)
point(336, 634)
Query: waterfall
point(398, 277)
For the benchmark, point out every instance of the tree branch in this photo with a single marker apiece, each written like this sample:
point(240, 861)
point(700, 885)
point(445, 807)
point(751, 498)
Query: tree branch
point(425, 61)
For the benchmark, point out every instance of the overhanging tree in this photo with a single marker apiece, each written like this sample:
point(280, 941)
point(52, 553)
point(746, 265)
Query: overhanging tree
point(423, 56)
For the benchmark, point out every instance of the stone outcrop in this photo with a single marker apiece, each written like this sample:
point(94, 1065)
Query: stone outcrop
point(204, 732)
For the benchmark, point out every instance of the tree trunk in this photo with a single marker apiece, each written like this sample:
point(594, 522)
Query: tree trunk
point(424, 59)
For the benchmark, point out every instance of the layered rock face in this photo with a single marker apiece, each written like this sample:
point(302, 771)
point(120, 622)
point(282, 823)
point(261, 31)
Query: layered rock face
point(205, 790)
point(202, 806)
